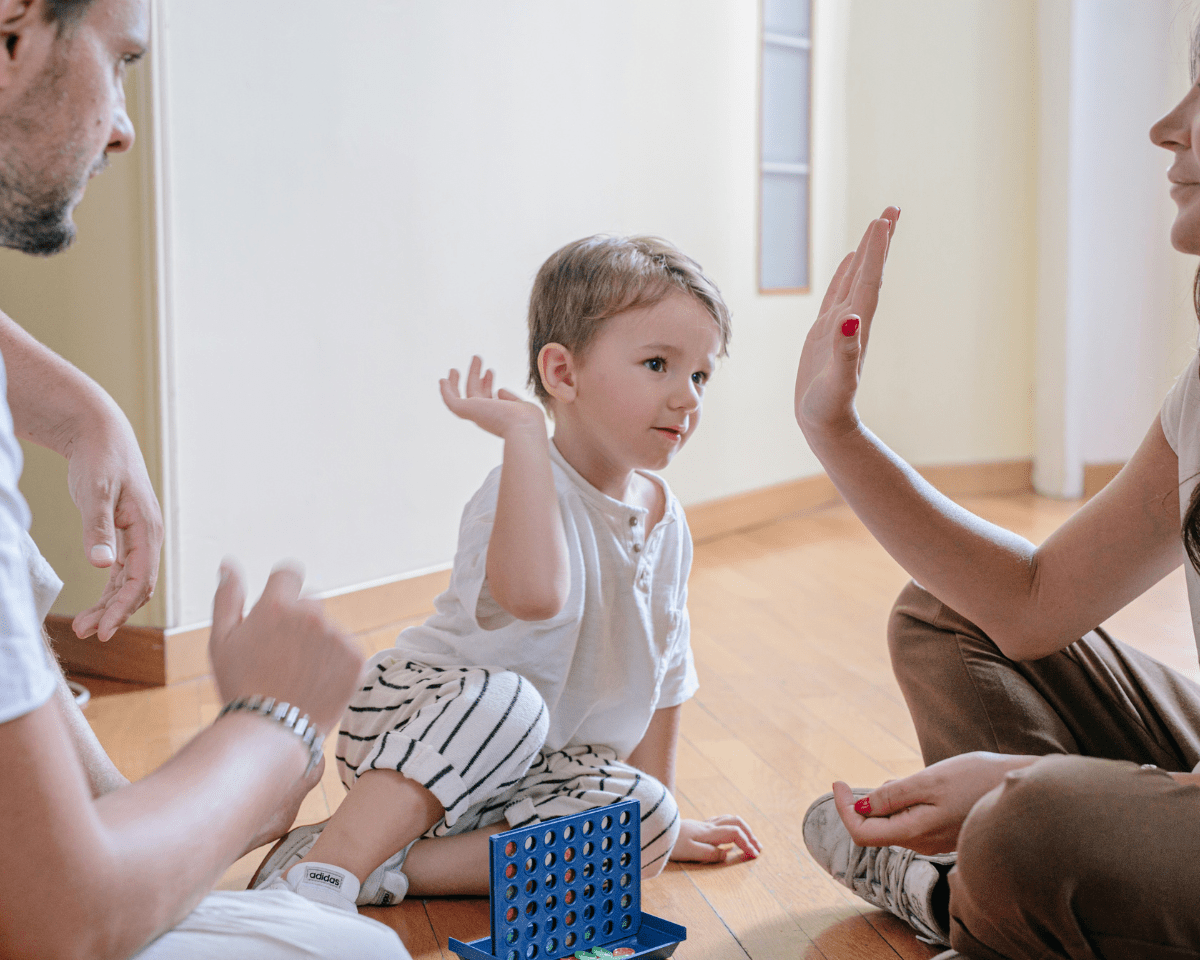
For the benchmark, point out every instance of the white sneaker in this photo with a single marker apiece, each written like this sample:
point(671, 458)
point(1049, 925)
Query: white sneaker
point(386, 885)
point(320, 882)
point(900, 881)
point(291, 849)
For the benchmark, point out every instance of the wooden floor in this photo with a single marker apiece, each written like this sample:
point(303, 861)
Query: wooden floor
point(788, 631)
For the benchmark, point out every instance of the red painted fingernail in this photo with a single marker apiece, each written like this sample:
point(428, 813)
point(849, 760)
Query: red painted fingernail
point(863, 806)
point(850, 327)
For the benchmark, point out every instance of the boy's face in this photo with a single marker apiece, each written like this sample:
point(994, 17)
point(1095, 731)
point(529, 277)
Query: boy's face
point(640, 384)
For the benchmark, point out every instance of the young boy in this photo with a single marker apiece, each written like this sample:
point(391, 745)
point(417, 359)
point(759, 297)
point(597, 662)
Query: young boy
point(550, 678)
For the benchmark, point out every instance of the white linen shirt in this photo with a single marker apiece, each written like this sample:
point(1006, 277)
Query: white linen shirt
point(26, 679)
point(1180, 419)
point(620, 647)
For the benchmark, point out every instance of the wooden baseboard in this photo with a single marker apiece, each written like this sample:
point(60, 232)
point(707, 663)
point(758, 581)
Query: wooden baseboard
point(1097, 475)
point(134, 654)
point(355, 611)
point(148, 655)
point(716, 518)
point(742, 511)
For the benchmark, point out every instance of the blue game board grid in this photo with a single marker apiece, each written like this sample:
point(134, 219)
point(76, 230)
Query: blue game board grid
point(569, 885)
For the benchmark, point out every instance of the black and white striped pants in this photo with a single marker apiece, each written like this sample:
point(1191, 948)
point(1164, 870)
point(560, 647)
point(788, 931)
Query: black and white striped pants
point(473, 737)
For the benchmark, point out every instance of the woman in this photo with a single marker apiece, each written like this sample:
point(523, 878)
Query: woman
point(1059, 815)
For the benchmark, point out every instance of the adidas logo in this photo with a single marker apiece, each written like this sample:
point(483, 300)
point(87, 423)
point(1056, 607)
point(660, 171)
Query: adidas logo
point(320, 876)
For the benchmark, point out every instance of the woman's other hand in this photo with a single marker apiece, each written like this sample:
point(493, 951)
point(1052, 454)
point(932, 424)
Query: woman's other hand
point(924, 812)
point(831, 361)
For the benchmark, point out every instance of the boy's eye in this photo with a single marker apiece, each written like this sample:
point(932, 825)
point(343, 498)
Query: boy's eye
point(700, 378)
point(657, 364)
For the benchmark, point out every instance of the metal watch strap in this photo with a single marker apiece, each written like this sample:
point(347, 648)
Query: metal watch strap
point(285, 714)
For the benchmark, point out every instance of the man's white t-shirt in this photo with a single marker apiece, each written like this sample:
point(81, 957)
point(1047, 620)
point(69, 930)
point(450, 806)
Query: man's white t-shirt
point(26, 678)
point(620, 647)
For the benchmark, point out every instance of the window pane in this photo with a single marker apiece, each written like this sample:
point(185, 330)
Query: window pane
point(784, 240)
point(785, 105)
point(786, 16)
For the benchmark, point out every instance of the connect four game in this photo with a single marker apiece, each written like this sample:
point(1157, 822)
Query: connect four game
point(571, 888)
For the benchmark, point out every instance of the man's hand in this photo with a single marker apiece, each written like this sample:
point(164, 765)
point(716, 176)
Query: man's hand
point(122, 523)
point(926, 811)
point(498, 414)
point(283, 648)
point(708, 841)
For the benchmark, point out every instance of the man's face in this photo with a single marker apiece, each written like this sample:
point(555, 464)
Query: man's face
point(61, 115)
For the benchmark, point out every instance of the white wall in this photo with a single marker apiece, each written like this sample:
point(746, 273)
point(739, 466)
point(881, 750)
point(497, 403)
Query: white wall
point(1115, 326)
point(359, 202)
point(354, 203)
point(939, 96)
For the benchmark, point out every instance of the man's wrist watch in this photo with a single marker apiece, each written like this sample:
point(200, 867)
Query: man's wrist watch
point(285, 714)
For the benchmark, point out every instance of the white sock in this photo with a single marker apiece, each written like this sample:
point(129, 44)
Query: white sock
point(322, 883)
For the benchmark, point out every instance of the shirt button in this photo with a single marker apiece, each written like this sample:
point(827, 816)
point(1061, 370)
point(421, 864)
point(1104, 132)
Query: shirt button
point(633, 521)
point(637, 548)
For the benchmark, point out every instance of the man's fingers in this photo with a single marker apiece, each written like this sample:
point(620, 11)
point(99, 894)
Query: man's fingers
point(96, 506)
point(228, 602)
point(285, 582)
point(129, 598)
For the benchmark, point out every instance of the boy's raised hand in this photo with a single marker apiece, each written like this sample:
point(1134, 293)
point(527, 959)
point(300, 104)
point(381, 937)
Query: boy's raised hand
point(831, 361)
point(496, 414)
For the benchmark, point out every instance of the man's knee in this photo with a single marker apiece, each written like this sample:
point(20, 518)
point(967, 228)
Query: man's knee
point(659, 824)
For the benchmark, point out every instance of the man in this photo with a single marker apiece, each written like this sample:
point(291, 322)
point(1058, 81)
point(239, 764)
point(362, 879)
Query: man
point(96, 868)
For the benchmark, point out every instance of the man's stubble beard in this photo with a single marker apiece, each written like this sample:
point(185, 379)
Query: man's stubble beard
point(35, 213)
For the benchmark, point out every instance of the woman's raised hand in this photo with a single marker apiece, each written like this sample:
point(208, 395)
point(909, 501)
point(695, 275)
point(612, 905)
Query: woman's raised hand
point(497, 414)
point(831, 361)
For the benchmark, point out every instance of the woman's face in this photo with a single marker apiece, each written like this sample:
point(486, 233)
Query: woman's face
point(1179, 132)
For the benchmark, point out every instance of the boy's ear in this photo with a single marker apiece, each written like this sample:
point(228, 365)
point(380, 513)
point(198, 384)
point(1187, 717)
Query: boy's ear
point(23, 27)
point(556, 367)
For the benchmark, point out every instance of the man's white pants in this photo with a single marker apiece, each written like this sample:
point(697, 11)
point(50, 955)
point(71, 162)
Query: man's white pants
point(273, 925)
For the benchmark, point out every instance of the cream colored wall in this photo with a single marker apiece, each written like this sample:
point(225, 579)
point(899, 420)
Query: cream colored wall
point(352, 205)
point(941, 121)
point(356, 204)
point(93, 305)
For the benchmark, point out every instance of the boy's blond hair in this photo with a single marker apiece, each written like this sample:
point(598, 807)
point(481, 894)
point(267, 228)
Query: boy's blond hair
point(586, 282)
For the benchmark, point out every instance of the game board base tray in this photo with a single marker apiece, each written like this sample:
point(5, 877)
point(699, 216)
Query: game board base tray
point(656, 939)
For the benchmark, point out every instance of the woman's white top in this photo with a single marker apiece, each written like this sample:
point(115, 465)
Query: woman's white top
point(1180, 420)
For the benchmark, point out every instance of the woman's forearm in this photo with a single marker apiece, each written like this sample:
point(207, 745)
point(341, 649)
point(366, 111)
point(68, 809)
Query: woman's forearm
point(981, 570)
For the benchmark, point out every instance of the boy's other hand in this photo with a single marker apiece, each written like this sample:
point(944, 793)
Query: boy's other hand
point(498, 414)
point(707, 841)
